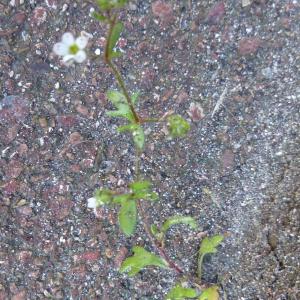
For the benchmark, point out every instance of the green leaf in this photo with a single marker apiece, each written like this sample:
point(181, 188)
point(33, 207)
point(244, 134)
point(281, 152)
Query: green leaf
point(135, 97)
point(177, 126)
point(210, 293)
point(115, 35)
point(110, 4)
point(137, 134)
point(99, 17)
point(179, 220)
point(140, 186)
point(141, 190)
point(180, 293)
point(139, 137)
point(115, 54)
point(128, 216)
point(141, 259)
point(104, 4)
point(121, 198)
point(156, 233)
point(128, 127)
point(103, 196)
point(120, 103)
point(210, 244)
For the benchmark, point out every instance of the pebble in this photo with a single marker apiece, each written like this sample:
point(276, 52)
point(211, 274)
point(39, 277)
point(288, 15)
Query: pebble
point(248, 46)
point(227, 159)
point(216, 13)
point(39, 16)
point(196, 112)
point(163, 11)
point(267, 73)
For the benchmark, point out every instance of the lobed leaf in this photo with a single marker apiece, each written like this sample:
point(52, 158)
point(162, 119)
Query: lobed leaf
point(156, 233)
point(128, 127)
point(137, 134)
point(139, 137)
point(179, 220)
point(120, 103)
point(141, 190)
point(135, 97)
point(115, 54)
point(103, 197)
point(128, 216)
point(177, 126)
point(141, 259)
point(210, 293)
point(180, 293)
point(110, 4)
point(140, 186)
point(210, 244)
point(99, 17)
point(119, 199)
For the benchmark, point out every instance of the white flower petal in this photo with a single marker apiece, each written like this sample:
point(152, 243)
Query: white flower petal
point(81, 42)
point(80, 56)
point(60, 49)
point(92, 203)
point(68, 58)
point(68, 38)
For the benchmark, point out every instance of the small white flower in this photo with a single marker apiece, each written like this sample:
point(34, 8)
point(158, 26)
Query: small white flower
point(71, 49)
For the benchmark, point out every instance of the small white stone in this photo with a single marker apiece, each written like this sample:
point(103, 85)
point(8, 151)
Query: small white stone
point(57, 85)
point(65, 7)
point(246, 3)
point(97, 51)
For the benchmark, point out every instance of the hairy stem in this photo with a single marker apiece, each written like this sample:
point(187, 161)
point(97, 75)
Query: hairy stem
point(117, 73)
point(155, 243)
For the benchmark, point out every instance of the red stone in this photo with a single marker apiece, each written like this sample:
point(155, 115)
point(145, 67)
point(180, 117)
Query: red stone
point(196, 112)
point(228, 159)
point(248, 46)
point(75, 138)
point(90, 255)
point(9, 85)
point(24, 256)
point(19, 17)
point(60, 207)
point(39, 16)
point(25, 210)
point(66, 121)
point(163, 10)
point(10, 187)
point(121, 255)
point(20, 296)
point(216, 13)
point(14, 109)
point(14, 169)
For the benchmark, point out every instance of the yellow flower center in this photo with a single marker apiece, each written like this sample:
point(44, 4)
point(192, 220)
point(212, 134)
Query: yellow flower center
point(73, 49)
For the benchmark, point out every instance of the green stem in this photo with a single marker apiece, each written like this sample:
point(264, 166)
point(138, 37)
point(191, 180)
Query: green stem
point(200, 261)
point(117, 73)
point(121, 83)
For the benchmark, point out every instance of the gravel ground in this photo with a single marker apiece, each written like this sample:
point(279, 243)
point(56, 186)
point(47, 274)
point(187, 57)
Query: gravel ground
point(237, 172)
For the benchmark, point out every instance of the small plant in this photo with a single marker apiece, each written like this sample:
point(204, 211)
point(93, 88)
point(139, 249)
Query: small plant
point(130, 204)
